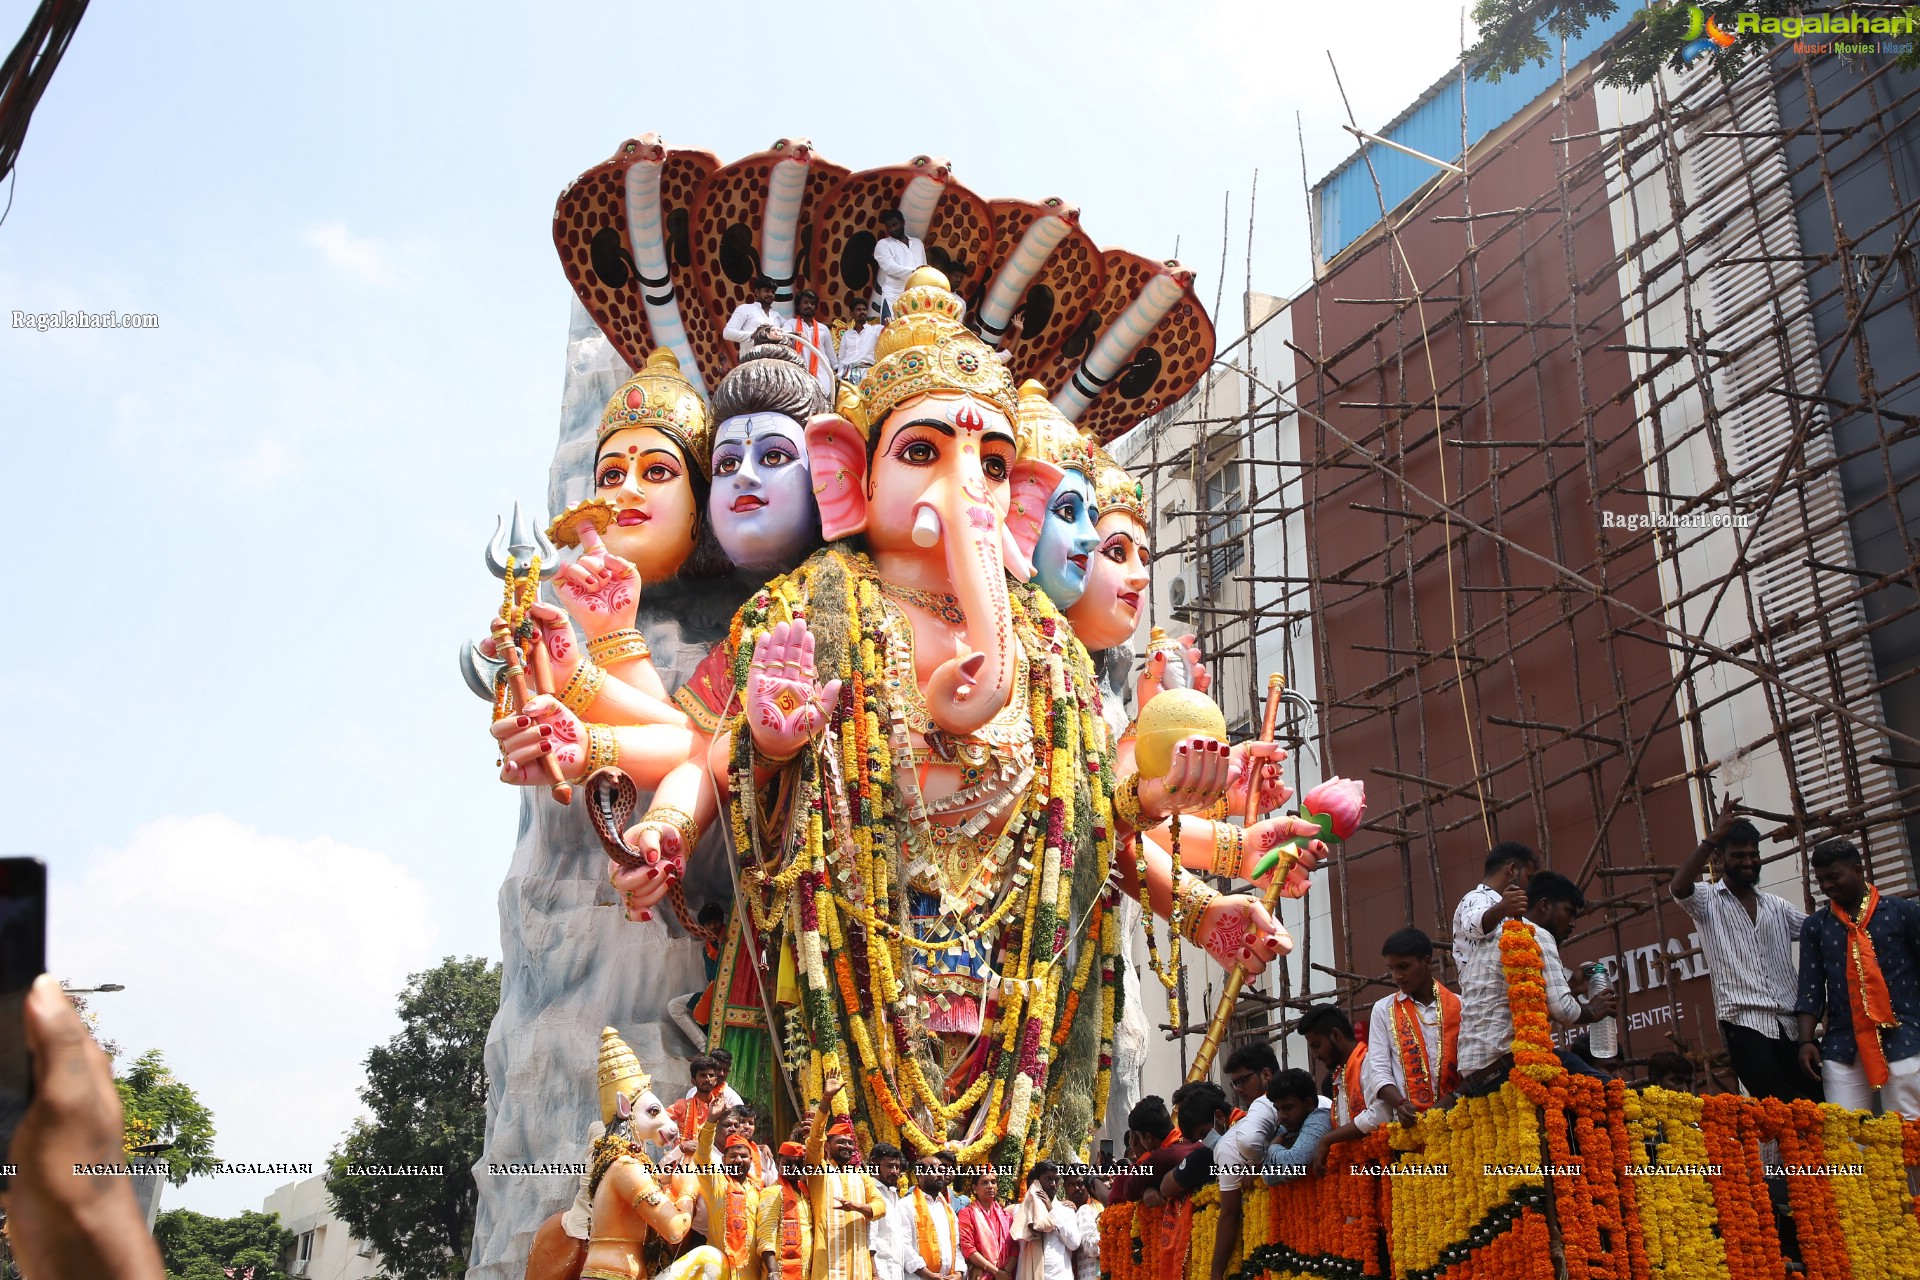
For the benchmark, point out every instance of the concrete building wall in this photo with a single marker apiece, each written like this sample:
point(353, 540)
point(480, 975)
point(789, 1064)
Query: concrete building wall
point(324, 1249)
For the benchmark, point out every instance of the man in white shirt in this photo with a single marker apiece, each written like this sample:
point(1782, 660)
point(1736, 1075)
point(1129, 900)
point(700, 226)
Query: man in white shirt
point(856, 345)
point(1747, 939)
point(930, 1200)
point(749, 316)
point(1047, 1228)
point(815, 341)
point(1250, 1069)
point(1413, 1036)
point(1486, 1016)
point(1500, 895)
point(896, 256)
point(890, 1237)
point(1086, 1259)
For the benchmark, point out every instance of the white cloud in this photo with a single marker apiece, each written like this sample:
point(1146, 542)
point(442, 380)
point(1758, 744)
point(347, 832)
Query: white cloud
point(263, 967)
point(352, 255)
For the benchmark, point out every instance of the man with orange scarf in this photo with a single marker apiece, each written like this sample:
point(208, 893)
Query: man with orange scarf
point(1860, 969)
point(787, 1219)
point(736, 1223)
point(846, 1199)
point(933, 1246)
point(1413, 1037)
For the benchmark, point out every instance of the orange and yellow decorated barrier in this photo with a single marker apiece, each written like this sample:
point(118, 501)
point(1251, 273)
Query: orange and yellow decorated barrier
point(1559, 1175)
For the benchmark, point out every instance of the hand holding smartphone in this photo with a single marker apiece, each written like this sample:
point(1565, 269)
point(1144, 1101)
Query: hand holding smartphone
point(23, 957)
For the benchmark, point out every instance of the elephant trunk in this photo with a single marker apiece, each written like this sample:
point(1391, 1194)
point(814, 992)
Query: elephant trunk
point(966, 692)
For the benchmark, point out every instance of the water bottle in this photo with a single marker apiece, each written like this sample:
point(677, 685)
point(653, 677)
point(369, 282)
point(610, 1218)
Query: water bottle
point(1603, 1040)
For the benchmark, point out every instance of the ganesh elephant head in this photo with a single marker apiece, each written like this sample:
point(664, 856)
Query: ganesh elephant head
point(923, 462)
point(626, 1092)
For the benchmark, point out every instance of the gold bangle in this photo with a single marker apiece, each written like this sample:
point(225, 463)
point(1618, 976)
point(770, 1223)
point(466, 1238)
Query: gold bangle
point(603, 752)
point(585, 686)
point(776, 762)
point(1229, 842)
point(1196, 896)
point(618, 646)
point(1126, 802)
point(665, 815)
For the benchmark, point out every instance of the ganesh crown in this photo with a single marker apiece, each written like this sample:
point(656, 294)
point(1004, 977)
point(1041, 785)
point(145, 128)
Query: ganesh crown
point(1114, 489)
point(619, 1071)
point(659, 396)
point(925, 347)
point(1045, 434)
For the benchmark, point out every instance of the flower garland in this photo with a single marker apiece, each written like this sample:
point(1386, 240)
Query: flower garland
point(1525, 966)
point(839, 891)
point(1626, 1179)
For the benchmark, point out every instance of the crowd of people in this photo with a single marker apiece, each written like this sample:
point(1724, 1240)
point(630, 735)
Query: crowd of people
point(1840, 1022)
point(842, 348)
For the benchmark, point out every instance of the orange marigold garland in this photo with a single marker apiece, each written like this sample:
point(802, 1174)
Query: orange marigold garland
point(1525, 967)
point(1732, 1142)
point(1815, 1217)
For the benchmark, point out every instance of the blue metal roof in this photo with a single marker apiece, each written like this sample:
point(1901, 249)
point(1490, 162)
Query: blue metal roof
point(1345, 198)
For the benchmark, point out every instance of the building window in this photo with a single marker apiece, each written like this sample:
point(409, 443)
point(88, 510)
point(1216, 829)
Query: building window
point(302, 1254)
point(1223, 523)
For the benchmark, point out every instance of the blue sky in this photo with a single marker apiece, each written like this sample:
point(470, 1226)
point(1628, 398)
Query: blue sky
point(247, 543)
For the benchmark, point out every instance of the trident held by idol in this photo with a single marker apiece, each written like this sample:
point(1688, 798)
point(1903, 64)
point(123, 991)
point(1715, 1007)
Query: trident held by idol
point(522, 558)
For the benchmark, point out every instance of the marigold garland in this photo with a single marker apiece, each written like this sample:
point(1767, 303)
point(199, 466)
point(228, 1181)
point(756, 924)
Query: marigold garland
point(824, 874)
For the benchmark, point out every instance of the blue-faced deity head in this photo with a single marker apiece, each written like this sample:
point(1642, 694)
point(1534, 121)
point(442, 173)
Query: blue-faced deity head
point(761, 504)
point(1067, 539)
point(1066, 536)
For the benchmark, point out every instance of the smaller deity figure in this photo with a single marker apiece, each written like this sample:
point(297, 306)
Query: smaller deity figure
point(630, 1207)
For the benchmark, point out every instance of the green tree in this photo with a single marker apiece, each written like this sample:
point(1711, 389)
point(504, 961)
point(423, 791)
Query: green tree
point(161, 1108)
point(427, 1090)
point(1514, 33)
point(197, 1247)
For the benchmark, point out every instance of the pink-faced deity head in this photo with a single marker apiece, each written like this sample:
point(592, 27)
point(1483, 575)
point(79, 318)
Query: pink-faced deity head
point(761, 506)
point(650, 465)
point(1109, 612)
point(920, 461)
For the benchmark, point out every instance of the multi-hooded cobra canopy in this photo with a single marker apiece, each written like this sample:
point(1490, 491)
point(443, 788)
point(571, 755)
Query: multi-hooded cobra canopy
point(662, 243)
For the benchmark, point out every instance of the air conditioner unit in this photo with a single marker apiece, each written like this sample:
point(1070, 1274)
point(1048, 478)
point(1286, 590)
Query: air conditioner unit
point(1184, 590)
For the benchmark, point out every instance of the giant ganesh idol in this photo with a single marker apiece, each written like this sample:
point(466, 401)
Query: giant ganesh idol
point(921, 787)
point(808, 679)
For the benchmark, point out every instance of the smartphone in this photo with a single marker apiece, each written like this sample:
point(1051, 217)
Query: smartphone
point(23, 957)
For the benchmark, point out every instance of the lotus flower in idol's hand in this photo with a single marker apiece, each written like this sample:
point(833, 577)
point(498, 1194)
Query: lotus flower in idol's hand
point(1336, 805)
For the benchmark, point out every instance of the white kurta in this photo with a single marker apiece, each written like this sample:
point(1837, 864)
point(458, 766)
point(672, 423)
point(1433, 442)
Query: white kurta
point(856, 348)
point(1055, 1247)
point(895, 260)
point(747, 317)
point(816, 351)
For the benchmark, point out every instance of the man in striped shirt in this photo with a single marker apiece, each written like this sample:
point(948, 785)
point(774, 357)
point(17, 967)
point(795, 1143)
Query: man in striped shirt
point(1747, 938)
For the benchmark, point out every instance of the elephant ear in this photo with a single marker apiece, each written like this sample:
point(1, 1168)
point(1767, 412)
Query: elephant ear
point(837, 457)
point(1029, 490)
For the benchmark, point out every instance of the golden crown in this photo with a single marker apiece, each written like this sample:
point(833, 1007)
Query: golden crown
point(1115, 490)
point(925, 347)
point(1044, 433)
point(619, 1072)
point(659, 396)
